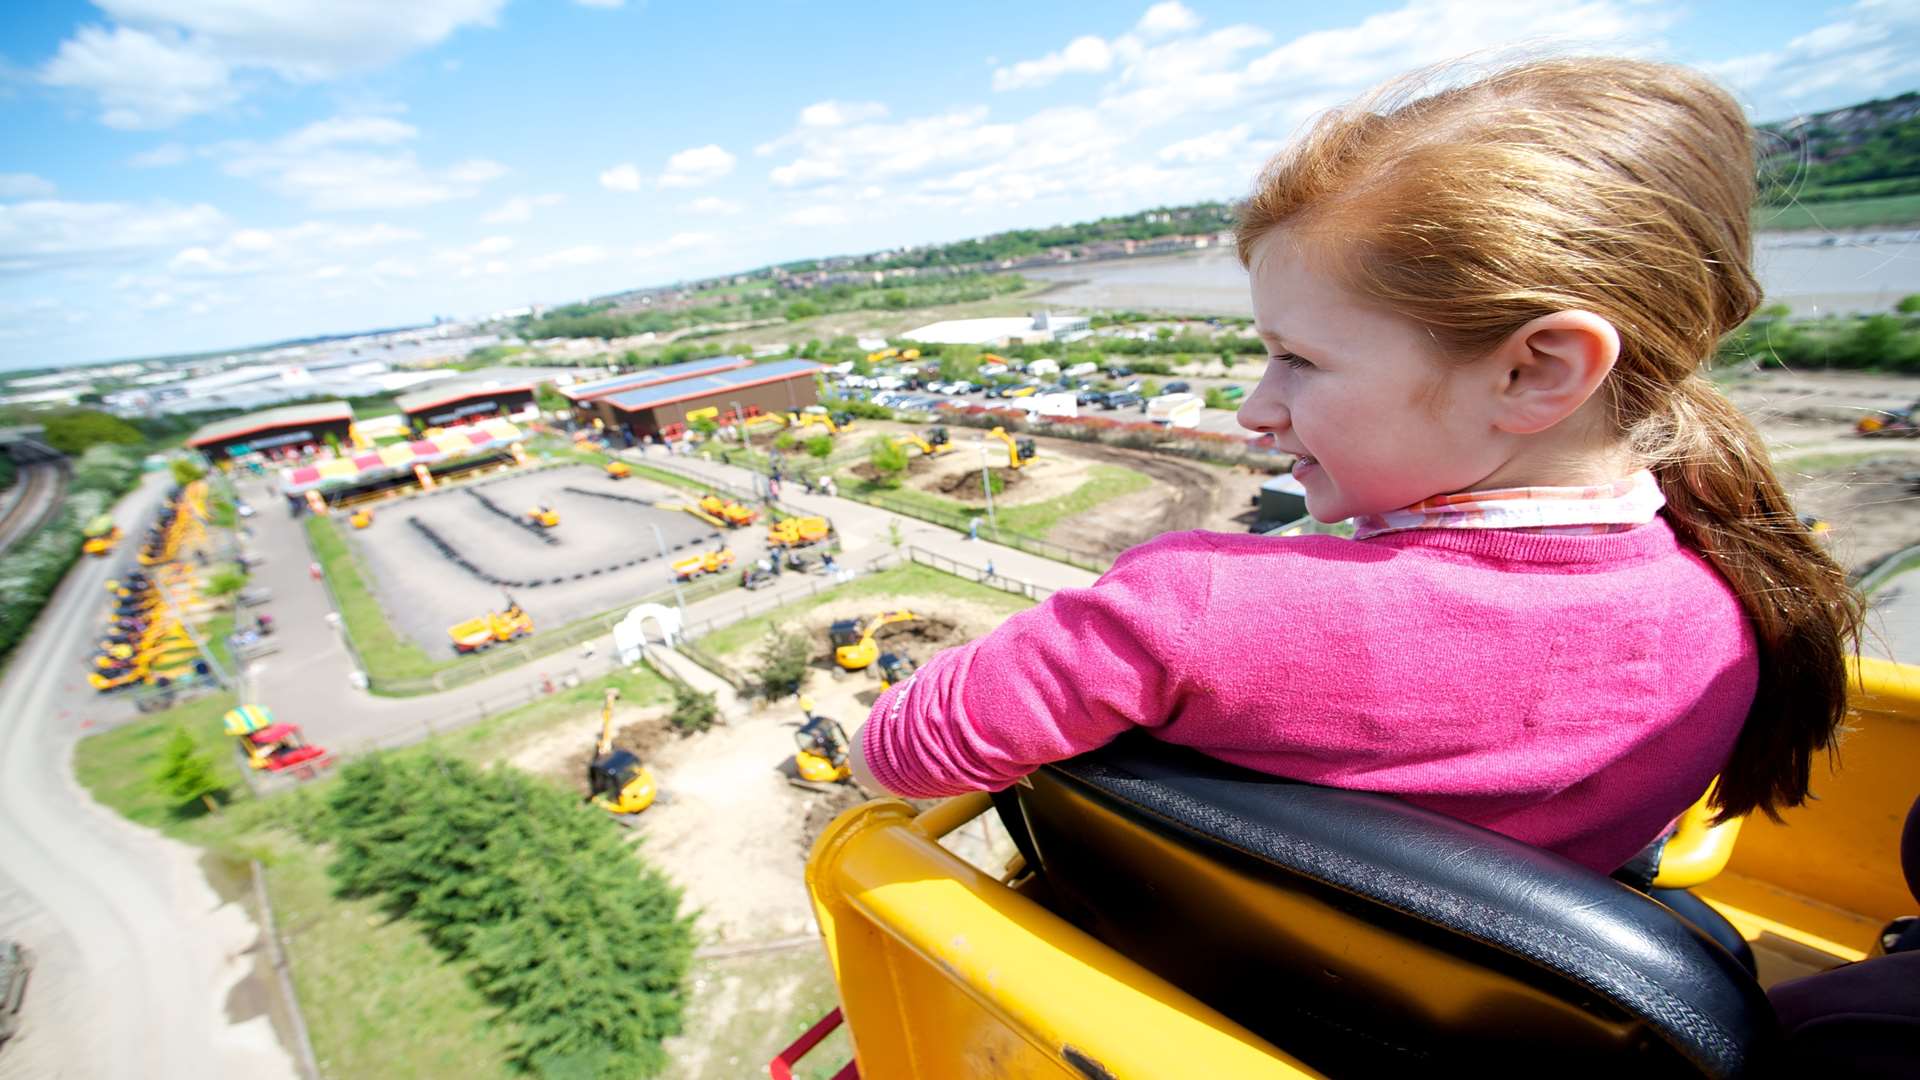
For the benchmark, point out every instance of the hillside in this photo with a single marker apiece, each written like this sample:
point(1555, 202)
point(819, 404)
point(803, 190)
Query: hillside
point(1865, 151)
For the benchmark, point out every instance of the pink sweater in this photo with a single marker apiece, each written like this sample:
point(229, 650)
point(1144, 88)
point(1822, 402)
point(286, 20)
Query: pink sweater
point(1574, 692)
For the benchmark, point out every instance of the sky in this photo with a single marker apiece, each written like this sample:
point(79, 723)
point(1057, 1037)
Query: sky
point(189, 175)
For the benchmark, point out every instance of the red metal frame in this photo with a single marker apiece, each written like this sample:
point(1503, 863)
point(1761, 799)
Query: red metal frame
point(781, 1067)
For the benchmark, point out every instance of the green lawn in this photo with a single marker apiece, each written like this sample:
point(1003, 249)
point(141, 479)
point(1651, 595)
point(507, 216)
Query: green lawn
point(1848, 214)
point(387, 654)
point(912, 579)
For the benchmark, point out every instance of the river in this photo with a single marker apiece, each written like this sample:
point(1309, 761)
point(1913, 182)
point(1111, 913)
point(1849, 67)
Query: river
point(1813, 273)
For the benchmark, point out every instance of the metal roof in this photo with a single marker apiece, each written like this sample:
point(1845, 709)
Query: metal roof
point(653, 377)
point(452, 391)
point(721, 383)
point(290, 416)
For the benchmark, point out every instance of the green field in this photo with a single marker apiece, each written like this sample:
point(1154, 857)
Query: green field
point(1848, 214)
point(739, 639)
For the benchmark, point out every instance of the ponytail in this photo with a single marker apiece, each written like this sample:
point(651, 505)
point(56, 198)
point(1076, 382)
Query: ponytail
point(1724, 501)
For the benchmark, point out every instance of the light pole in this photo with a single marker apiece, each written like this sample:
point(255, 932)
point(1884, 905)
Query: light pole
point(986, 485)
point(679, 600)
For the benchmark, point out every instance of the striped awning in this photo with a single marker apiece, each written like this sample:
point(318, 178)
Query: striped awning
point(247, 719)
point(491, 434)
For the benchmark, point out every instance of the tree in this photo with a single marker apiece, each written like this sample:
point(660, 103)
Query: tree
point(185, 471)
point(693, 710)
point(549, 399)
point(889, 462)
point(226, 581)
point(73, 432)
point(820, 446)
point(802, 309)
point(1909, 305)
point(784, 654)
point(186, 774)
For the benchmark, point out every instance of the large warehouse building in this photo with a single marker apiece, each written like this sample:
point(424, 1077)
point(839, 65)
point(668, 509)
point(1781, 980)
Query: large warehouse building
point(465, 402)
point(276, 433)
point(662, 400)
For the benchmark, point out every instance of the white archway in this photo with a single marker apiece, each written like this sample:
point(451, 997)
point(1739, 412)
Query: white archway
point(630, 633)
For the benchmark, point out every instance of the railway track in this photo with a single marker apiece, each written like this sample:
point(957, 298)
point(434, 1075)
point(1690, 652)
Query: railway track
point(40, 488)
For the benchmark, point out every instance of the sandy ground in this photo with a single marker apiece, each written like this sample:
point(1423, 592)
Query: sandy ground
point(607, 551)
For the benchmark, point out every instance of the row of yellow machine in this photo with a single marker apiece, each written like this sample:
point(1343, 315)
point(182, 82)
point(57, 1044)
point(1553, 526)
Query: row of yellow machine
point(936, 441)
point(145, 641)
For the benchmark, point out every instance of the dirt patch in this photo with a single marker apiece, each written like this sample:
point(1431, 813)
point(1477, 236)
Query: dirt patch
point(966, 487)
point(562, 751)
point(1870, 505)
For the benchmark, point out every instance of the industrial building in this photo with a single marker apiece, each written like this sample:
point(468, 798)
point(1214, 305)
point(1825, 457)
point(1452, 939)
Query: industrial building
point(586, 396)
point(467, 401)
point(1040, 328)
point(666, 406)
point(295, 430)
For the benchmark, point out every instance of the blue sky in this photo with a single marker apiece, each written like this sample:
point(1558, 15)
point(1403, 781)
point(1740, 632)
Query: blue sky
point(182, 175)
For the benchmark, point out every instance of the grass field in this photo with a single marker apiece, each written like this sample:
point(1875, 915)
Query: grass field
point(1848, 214)
point(1034, 520)
point(386, 653)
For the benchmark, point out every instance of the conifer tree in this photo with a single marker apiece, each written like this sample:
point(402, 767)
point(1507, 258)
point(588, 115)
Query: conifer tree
point(186, 774)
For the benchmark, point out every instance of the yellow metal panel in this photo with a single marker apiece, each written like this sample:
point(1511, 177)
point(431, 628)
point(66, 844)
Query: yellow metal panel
point(945, 972)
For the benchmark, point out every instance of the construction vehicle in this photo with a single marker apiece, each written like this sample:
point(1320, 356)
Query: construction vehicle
point(1171, 915)
point(709, 562)
point(820, 761)
point(796, 532)
point(834, 424)
point(101, 535)
point(1019, 451)
point(544, 516)
point(491, 629)
point(927, 444)
point(616, 780)
point(361, 518)
point(1890, 423)
point(894, 668)
point(778, 420)
point(618, 470)
point(732, 513)
point(854, 647)
point(267, 745)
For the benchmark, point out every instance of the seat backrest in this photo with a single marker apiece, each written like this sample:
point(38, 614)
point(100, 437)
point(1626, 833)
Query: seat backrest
point(1363, 934)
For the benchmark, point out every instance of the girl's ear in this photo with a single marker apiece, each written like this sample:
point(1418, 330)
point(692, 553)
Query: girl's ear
point(1550, 367)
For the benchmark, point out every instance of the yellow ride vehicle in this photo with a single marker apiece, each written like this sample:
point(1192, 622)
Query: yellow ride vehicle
point(544, 516)
point(1172, 915)
point(361, 518)
point(101, 536)
point(617, 782)
point(490, 629)
point(854, 646)
point(798, 532)
point(820, 761)
point(710, 562)
point(728, 511)
point(619, 470)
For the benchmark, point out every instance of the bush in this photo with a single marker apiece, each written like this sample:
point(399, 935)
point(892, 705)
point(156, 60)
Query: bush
point(693, 710)
point(186, 775)
point(1909, 305)
point(185, 471)
point(510, 874)
point(784, 654)
point(889, 462)
point(820, 446)
point(73, 432)
point(785, 441)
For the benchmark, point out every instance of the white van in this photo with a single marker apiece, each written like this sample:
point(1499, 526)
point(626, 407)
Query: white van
point(1043, 367)
point(1175, 410)
point(1081, 371)
point(990, 370)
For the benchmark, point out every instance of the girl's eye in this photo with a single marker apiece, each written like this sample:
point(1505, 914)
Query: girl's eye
point(1292, 361)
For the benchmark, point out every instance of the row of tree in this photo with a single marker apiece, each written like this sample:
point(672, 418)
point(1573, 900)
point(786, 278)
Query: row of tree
point(1868, 342)
point(582, 946)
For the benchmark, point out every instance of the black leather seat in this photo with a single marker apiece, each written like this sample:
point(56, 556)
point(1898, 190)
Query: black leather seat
point(1362, 934)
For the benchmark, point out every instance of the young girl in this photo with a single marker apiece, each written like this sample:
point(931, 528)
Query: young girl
point(1576, 592)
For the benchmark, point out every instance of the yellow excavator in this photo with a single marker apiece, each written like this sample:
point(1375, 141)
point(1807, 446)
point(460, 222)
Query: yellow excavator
point(854, 647)
point(616, 780)
point(935, 441)
point(1019, 451)
point(894, 668)
point(1168, 914)
point(820, 761)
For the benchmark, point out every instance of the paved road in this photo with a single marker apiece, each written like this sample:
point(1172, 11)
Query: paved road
point(34, 496)
point(137, 953)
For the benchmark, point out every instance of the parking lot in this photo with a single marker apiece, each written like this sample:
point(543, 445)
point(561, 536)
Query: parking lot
point(895, 393)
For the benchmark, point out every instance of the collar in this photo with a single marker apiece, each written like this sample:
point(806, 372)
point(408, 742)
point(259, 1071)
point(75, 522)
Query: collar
point(1615, 507)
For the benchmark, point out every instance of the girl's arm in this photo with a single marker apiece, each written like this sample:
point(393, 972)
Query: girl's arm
point(1052, 682)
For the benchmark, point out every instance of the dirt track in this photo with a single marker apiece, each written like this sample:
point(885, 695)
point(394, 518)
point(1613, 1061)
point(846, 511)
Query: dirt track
point(1186, 495)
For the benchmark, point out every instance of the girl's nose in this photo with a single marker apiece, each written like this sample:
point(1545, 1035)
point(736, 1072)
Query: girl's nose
point(1263, 411)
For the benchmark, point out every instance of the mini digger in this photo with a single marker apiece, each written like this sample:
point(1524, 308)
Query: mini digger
point(854, 647)
point(544, 516)
point(894, 668)
point(616, 780)
point(821, 761)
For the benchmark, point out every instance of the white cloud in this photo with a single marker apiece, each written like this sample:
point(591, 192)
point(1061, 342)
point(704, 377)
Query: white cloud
point(1171, 17)
point(519, 209)
point(493, 245)
point(1213, 146)
point(680, 241)
point(42, 235)
point(838, 113)
point(807, 171)
point(808, 216)
point(580, 255)
point(1082, 55)
point(141, 80)
point(166, 60)
point(609, 4)
point(161, 156)
point(350, 163)
point(1868, 51)
point(21, 185)
point(256, 251)
point(696, 166)
point(718, 207)
point(622, 177)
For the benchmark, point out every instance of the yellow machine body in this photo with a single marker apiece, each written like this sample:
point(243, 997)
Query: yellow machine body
point(727, 511)
point(490, 629)
point(708, 562)
point(617, 782)
point(619, 470)
point(862, 650)
point(945, 970)
point(360, 519)
point(1015, 457)
point(544, 516)
point(798, 532)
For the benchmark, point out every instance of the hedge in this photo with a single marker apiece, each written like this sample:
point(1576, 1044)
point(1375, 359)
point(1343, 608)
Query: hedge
point(30, 572)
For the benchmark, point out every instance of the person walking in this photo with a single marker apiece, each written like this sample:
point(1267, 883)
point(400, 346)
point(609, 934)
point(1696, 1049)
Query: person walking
point(973, 528)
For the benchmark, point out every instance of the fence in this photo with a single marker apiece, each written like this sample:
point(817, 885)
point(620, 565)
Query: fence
point(959, 569)
point(1032, 545)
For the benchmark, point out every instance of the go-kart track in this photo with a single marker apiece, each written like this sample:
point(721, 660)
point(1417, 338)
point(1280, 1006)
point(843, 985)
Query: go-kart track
point(449, 556)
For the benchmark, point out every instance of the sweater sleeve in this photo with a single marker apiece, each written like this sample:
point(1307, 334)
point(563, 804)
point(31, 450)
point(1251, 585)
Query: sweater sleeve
point(1052, 682)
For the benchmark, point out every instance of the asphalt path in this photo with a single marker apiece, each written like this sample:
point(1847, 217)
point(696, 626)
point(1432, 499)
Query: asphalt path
point(138, 956)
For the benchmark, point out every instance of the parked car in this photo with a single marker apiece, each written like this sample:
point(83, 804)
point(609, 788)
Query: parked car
point(1232, 393)
point(15, 964)
point(1123, 399)
point(1118, 371)
point(961, 387)
point(991, 370)
point(1176, 388)
point(1091, 397)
